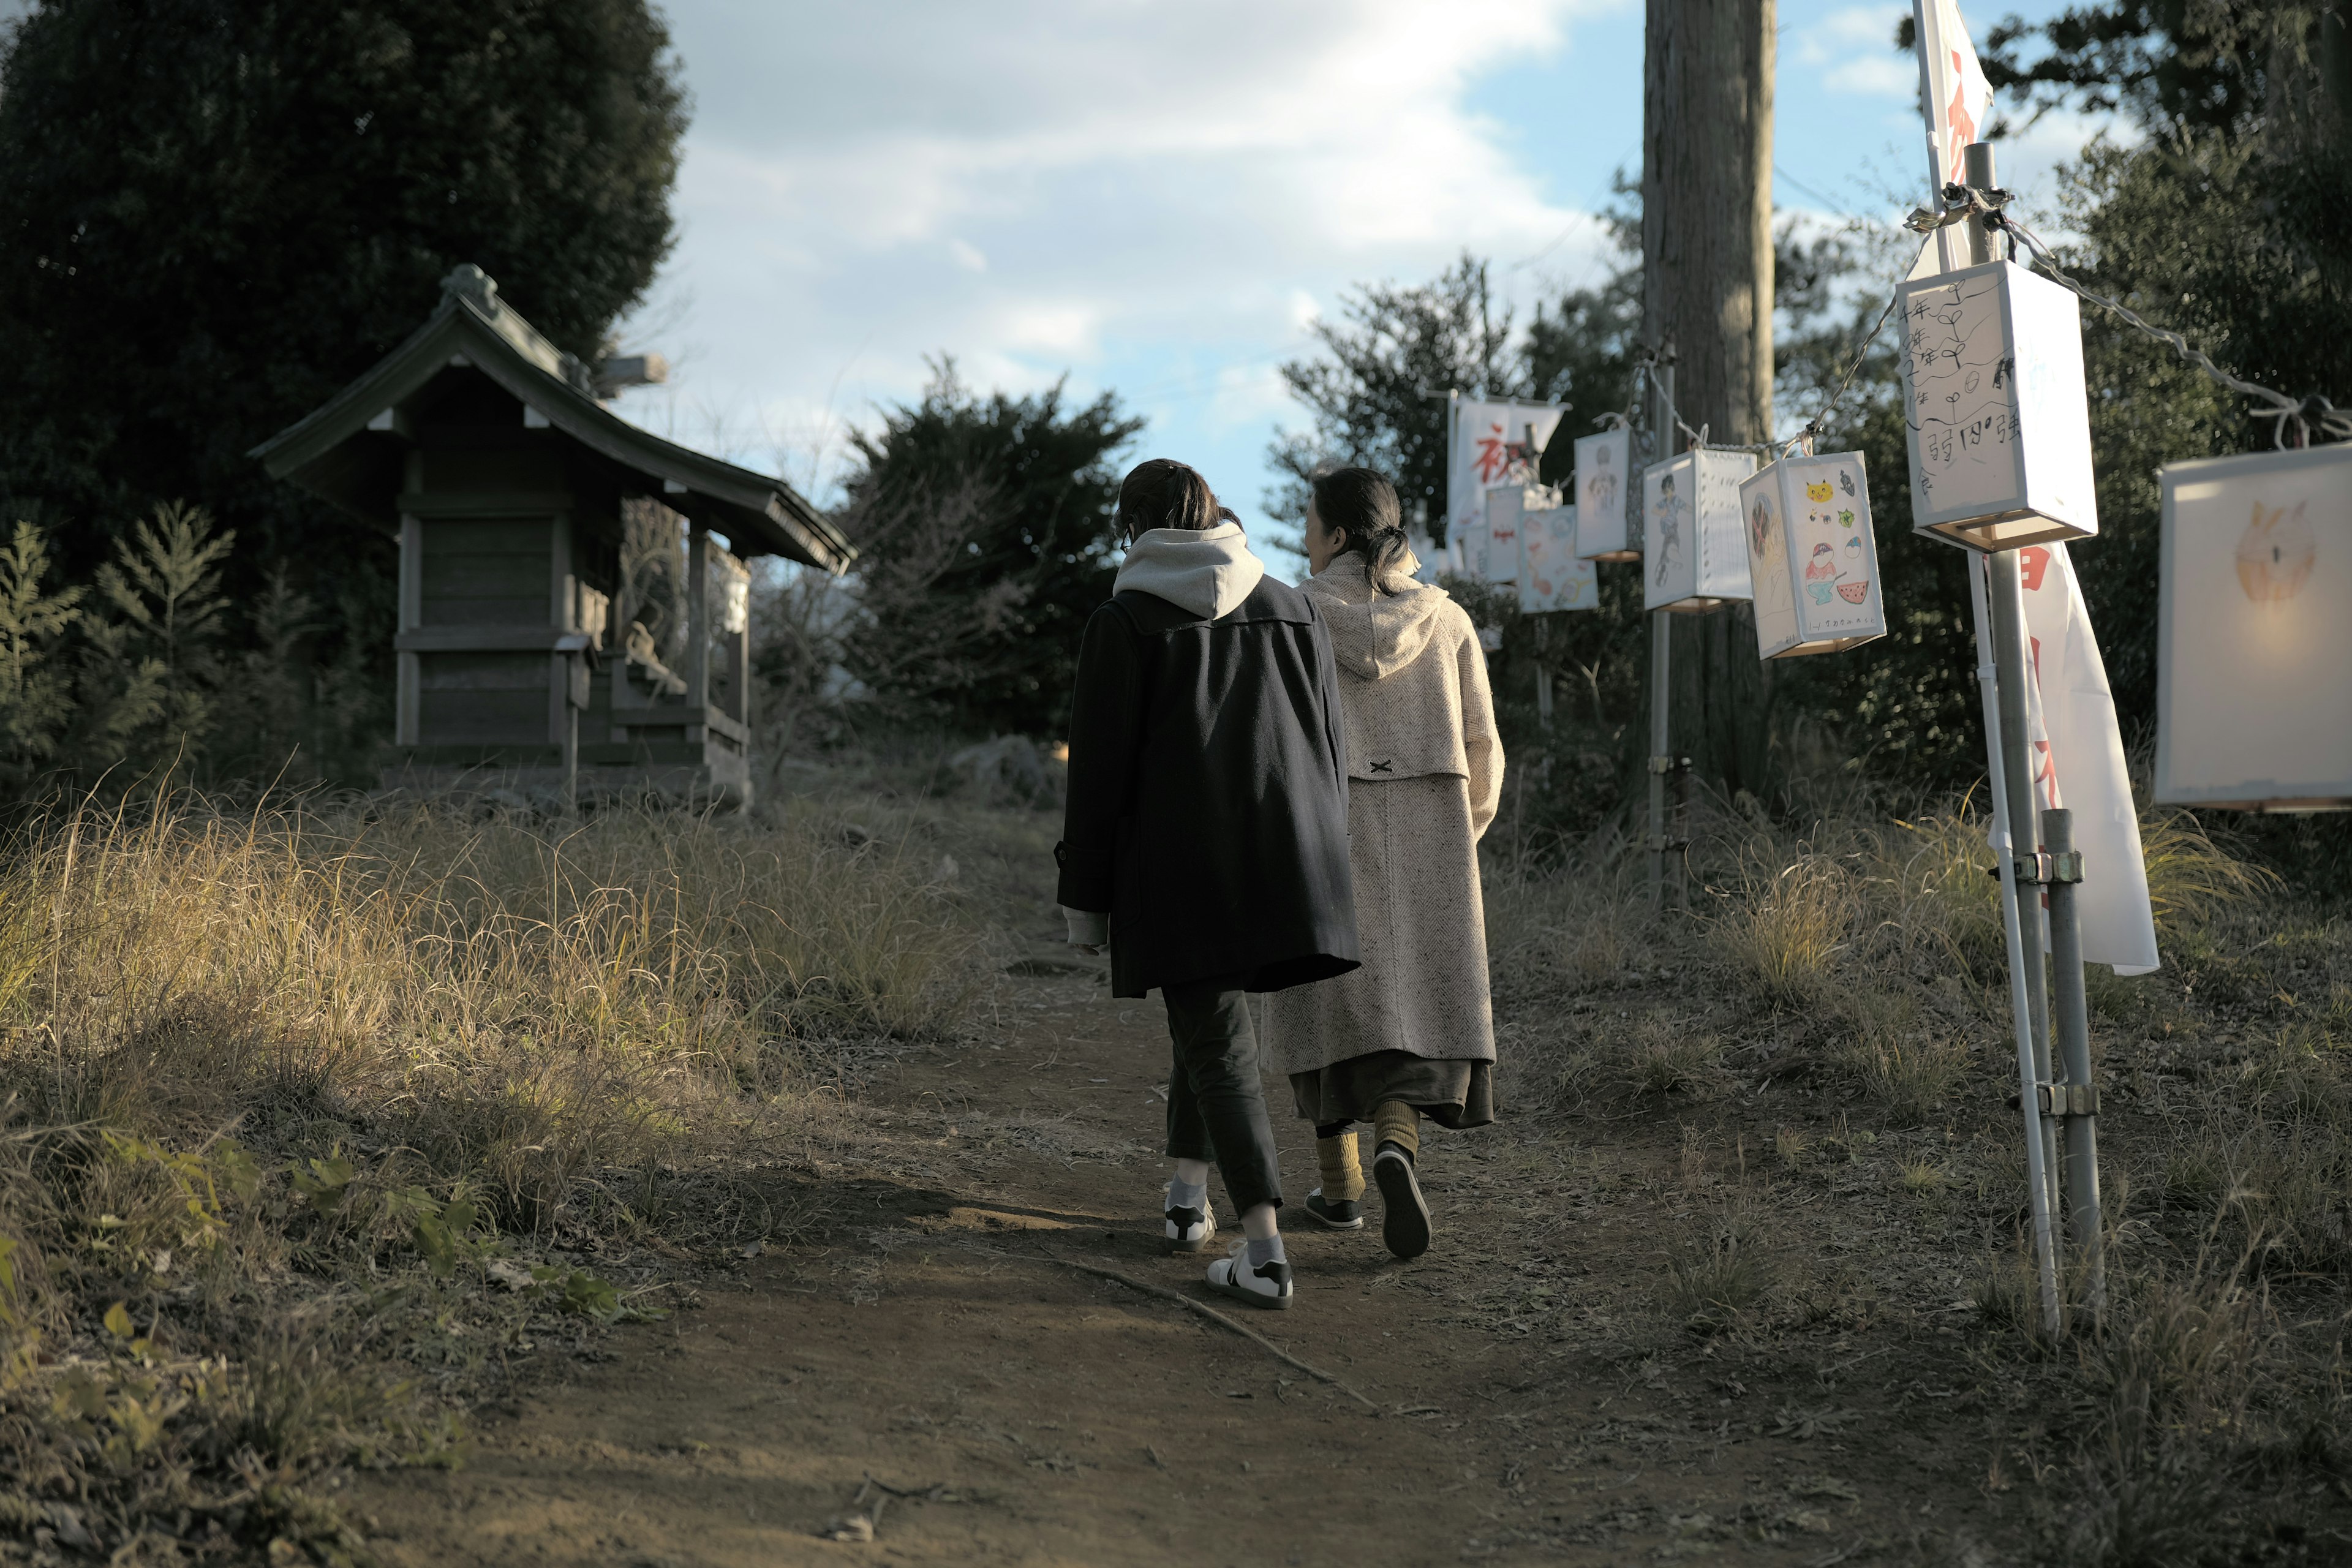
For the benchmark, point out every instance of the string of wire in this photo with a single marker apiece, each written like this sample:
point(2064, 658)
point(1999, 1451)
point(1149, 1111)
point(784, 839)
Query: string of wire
point(2308, 414)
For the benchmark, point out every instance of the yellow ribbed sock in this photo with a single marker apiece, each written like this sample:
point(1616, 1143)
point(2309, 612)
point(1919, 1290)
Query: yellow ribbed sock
point(1343, 1175)
point(1394, 1121)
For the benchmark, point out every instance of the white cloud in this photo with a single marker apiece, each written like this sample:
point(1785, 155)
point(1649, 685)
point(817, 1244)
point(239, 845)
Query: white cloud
point(1105, 180)
point(1849, 51)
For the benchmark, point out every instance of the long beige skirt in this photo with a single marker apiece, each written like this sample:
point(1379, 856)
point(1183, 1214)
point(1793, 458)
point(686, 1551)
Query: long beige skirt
point(1421, 926)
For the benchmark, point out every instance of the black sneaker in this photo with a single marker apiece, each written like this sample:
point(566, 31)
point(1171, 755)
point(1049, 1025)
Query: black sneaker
point(1404, 1218)
point(1266, 1285)
point(1335, 1214)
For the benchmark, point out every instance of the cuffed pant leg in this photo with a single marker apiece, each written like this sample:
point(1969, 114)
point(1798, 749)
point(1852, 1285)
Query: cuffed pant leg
point(1188, 1133)
point(1216, 1058)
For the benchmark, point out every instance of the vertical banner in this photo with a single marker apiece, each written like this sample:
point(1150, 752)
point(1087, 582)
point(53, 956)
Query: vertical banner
point(2078, 762)
point(1955, 97)
point(1489, 447)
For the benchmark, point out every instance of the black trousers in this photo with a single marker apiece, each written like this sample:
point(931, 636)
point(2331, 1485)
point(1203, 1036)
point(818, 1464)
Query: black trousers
point(1216, 1105)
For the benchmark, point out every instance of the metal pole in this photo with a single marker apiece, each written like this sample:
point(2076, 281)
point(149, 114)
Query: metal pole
point(2079, 1115)
point(2030, 1077)
point(1662, 423)
point(2013, 659)
point(2019, 822)
point(1543, 670)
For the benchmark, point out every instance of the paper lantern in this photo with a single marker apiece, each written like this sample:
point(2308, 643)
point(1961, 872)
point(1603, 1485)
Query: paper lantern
point(1604, 497)
point(1812, 556)
point(2253, 643)
point(1506, 506)
point(2000, 430)
point(1552, 577)
point(1692, 555)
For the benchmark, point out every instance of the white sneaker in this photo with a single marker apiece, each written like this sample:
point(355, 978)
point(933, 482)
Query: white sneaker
point(1266, 1285)
point(1189, 1230)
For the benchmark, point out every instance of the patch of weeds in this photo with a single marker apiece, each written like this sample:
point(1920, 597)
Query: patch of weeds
point(1716, 1276)
point(1793, 1147)
point(1783, 935)
point(1921, 1176)
point(1665, 1057)
point(1913, 1078)
point(1840, 1295)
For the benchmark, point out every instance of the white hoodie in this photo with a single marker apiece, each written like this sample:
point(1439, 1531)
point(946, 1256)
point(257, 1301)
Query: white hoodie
point(1207, 571)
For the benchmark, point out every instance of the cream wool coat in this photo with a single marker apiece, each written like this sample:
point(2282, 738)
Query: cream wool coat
point(1425, 777)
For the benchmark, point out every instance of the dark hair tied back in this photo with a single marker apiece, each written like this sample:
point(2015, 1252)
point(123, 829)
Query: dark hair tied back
point(1164, 493)
point(1364, 506)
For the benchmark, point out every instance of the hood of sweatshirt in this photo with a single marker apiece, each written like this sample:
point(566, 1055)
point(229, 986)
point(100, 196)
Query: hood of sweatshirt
point(1207, 571)
point(1373, 634)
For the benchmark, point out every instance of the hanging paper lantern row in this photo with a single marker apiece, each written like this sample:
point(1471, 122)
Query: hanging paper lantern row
point(2000, 424)
point(2253, 649)
point(1552, 577)
point(1692, 555)
point(1604, 497)
point(1812, 557)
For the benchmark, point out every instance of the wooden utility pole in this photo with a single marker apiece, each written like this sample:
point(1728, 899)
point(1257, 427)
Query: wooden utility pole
point(1706, 285)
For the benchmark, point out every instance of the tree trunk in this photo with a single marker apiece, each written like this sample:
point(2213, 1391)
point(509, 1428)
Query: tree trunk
point(1707, 288)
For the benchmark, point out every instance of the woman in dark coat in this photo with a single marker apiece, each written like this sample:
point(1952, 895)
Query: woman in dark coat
point(1206, 837)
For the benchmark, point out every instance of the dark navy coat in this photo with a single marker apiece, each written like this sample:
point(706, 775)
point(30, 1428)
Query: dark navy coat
point(1208, 804)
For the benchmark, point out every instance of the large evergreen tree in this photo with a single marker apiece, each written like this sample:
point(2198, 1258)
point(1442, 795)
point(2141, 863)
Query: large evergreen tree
point(215, 213)
point(984, 527)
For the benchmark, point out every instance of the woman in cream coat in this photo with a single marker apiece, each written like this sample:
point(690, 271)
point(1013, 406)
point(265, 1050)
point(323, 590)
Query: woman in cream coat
point(1411, 1034)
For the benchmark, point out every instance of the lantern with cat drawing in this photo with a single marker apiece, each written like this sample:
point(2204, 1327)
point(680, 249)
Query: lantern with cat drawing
point(1692, 557)
point(1811, 557)
point(2253, 642)
point(2000, 422)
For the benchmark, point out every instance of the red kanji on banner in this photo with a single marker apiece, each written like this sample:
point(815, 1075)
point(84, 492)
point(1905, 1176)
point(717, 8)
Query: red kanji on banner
point(1496, 457)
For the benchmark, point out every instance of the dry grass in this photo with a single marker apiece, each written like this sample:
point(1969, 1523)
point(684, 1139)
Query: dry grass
point(279, 1090)
point(1717, 1276)
point(1788, 927)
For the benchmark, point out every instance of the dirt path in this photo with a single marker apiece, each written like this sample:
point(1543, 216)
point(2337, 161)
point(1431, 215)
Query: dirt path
point(1531, 1404)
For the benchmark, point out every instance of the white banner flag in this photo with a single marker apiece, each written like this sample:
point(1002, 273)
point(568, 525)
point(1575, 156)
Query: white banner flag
point(1490, 447)
point(1955, 97)
point(2078, 762)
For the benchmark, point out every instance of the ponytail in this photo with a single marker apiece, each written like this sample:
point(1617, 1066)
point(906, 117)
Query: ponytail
point(1364, 506)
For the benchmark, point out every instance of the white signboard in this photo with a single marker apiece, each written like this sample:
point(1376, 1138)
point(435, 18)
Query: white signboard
point(1604, 492)
point(1812, 557)
point(2000, 425)
point(2253, 650)
point(1552, 577)
point(1694, 555)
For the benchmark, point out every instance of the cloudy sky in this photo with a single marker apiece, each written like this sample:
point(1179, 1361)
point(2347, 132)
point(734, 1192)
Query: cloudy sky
point(1158, 198)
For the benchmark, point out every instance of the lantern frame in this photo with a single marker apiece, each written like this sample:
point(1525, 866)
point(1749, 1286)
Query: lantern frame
point(2281, 659)
point(1711, 571)
point(1997, 352)
point(1783, 546)
point(1605, 529)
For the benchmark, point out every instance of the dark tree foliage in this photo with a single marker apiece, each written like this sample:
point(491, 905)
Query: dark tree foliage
point(2194, 64)
point(215, 213)
point(1377, 390)
point(985, 531)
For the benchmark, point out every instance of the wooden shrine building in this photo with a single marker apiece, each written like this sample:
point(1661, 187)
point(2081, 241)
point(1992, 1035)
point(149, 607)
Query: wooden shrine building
point(487, 453)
